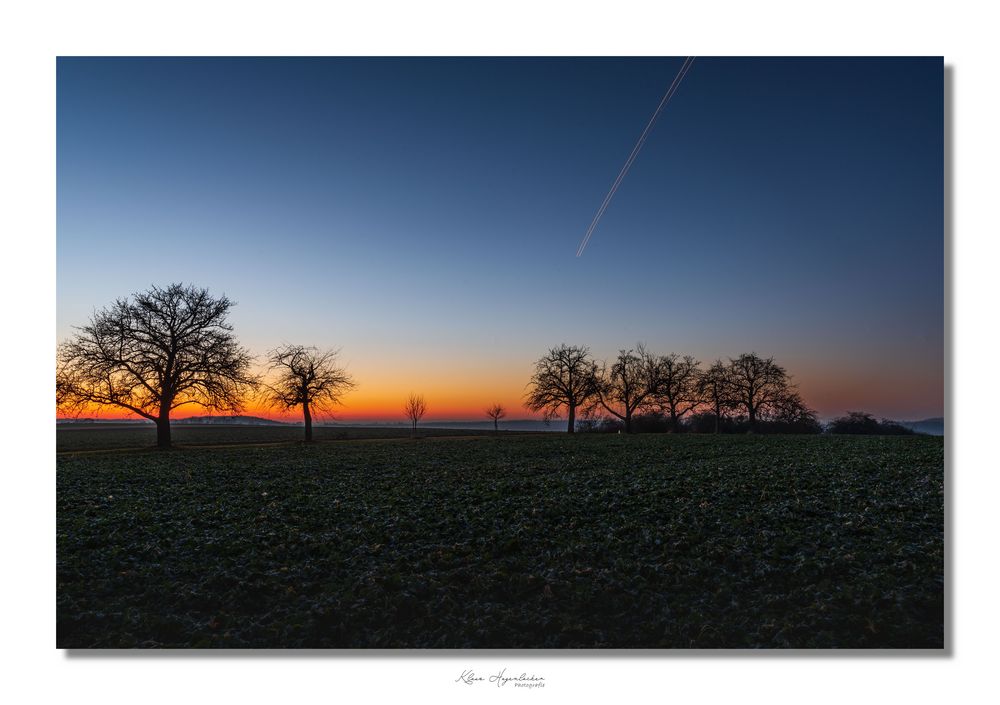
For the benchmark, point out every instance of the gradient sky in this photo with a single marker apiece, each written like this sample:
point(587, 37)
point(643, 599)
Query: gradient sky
point(423, 215)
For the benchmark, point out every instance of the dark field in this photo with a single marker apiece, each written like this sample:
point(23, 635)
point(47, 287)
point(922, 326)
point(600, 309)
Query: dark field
point(110, 436)
point(510, 542)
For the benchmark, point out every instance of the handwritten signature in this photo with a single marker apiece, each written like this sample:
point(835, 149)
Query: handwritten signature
point(501, 679)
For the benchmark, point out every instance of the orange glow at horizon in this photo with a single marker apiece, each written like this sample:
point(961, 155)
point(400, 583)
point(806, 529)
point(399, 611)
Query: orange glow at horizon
point(451, 395)
point(462, 390)
point(438, 412)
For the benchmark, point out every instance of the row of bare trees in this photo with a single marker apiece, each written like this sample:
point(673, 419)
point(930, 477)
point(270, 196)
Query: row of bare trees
point(569, 380)
point(172, 347)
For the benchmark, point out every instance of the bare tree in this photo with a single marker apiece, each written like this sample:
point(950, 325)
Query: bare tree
point(714, 388)
point(791, 410)
point(629, 384)
point(158, 351)
point(565, 376)
point(677, 392)
point(415, 409)
point(306, 377)
point(496, 412)
point(758, 385)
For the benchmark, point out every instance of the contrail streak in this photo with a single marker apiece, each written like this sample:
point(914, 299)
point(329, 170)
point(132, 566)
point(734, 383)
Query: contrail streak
point(635, 151)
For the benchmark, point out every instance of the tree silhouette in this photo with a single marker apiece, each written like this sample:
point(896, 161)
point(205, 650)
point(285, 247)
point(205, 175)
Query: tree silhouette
point(856, 422)
point(160, 350)
point(677, 392)
point(861, 422)
point(759, 386)
point(415, 409)
point(791, 413)
point(714, 389)
point(306, 377)
point(629, 384)
point(496, 412)
point(565, 376)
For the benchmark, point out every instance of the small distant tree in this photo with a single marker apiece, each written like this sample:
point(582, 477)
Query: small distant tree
point(306, 377)
point(565, 377)
point(153, 353)
point(714, 390)
point(758, 386)
point(628, 385)
point(415, 409)
point(677, 391)
point(496, 412)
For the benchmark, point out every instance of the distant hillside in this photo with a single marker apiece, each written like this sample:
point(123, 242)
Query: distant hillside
point(933, 427)
point(505, 425)
point(191, 421)
point(228, 421)
point(91, 421)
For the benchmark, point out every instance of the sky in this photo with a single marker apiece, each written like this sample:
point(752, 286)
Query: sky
point(423, 215)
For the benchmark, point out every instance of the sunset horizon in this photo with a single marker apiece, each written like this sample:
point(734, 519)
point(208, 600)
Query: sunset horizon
point(385, 405)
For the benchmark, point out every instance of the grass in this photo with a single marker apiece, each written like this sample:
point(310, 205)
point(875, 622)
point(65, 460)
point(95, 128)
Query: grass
point(511, 542)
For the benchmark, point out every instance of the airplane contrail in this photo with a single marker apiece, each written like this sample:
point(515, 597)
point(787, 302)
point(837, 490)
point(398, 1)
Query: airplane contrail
point(635, 151)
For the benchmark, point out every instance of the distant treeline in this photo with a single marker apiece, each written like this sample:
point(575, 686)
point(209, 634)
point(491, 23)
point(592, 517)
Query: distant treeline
point(861, 423)
point(855, 422)
point(700, 422)
point(643, 392)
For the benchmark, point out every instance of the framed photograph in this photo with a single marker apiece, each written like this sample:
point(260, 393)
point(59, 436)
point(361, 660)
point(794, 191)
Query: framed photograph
point(528, 353)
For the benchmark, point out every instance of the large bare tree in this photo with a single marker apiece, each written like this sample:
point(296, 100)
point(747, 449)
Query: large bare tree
point(759, 386)
point(565, 377)
point(715, 390)
point(155, 352)
point(306, 377)
point(415, 409)
point(677, 392)
point(629, 384)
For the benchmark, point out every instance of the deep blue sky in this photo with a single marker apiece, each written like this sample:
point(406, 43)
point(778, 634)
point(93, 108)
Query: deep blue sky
point(424, 214)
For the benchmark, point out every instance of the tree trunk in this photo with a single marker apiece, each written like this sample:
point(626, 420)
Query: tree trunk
point(628, 423)
point(572, 419)
point(307, 416)
point(752, 413)
point(496, 425)
point(718, 413)
point(163, 431)
point(673, 421)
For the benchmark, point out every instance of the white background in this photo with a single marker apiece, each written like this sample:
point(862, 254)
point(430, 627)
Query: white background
point(31, 36)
